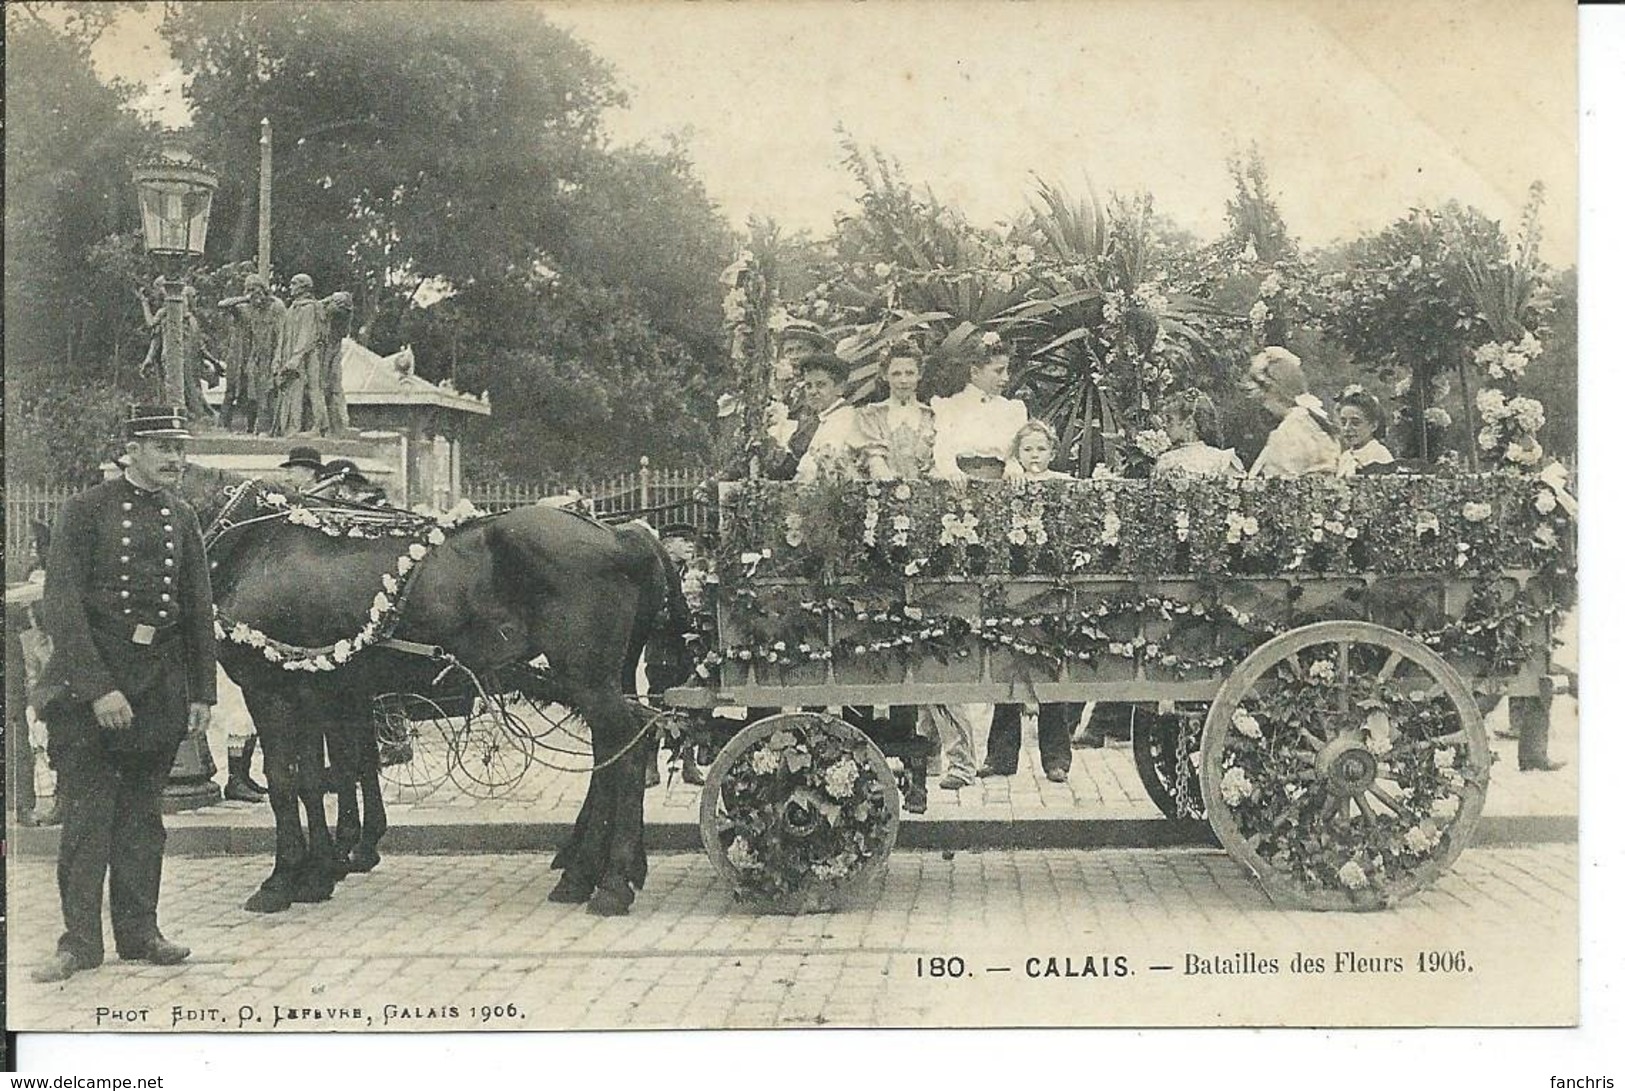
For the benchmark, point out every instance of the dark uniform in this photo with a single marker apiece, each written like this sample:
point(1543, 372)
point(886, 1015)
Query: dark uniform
point(128, 608)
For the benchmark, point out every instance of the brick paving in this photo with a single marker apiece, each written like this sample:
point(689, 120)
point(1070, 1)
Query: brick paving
point(428, 934)
point(1103, 785)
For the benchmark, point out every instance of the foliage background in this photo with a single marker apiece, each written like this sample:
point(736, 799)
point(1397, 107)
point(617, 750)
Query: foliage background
point(448, 166)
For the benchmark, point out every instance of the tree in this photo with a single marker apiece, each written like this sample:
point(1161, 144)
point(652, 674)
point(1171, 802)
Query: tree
point(70, 142)
point(458, 149)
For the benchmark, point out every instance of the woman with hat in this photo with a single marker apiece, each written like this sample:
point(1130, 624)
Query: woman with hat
point(1306, 441)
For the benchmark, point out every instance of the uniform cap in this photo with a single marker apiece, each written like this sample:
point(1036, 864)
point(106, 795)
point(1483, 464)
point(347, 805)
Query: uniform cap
point(156, 422)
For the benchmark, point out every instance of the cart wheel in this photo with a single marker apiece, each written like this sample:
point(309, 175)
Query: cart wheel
point(413, 755)
point(1167, 754)
point(491, 754)
point(799, 813)
point(1345, 764)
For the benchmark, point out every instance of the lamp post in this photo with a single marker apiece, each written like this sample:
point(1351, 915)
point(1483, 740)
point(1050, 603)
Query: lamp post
point(175, 192)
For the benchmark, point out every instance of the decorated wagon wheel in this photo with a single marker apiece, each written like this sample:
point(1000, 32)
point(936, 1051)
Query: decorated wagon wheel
point(799, 813)
point(1167, 755)
point(413, 754)
point(491, 751)
point(1345, 764)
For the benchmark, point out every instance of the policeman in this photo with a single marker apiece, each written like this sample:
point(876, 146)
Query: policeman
point(128, 609)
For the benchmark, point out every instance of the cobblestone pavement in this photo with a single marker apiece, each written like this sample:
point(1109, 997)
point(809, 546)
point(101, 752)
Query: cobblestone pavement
point(470, 942)
point(1103, 785)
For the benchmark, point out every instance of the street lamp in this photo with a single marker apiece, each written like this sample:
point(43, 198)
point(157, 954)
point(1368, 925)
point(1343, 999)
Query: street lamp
point(175, 191)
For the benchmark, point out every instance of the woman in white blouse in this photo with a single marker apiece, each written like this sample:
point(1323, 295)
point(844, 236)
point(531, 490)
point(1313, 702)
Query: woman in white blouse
point(976, 433)
point(976, 428)
point(1306, 441)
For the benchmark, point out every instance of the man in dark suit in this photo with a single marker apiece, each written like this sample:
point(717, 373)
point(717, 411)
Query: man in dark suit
point(129, 612)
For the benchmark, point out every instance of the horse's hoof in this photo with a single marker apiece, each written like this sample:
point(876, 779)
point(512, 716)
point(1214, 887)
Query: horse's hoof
point(313, 890)
point(364, 859)
point(570, 891)
point(608, 902)
point(266, 901)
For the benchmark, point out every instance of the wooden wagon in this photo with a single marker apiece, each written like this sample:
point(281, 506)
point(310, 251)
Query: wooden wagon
point(1333, 643)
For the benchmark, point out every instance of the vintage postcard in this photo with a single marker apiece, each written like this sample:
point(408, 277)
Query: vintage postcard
point(534, 516)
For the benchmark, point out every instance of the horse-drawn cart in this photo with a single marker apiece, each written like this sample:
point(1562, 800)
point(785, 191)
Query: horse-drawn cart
point(1321, 653)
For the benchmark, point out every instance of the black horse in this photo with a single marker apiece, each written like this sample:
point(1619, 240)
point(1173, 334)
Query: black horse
point(494, 595)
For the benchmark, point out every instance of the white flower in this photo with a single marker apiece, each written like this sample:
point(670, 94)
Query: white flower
point(1321, 671)
point(1444, 758)
point(764, 761)
point(1415, 264)
point(1110, 527)
point(391, 584)
point(1270, 286)
point(1476, 512)
point(240, 633)
point(1026, 254)
point(1419, 840)
point(742, 856)
point(437, 536)
point(1545, 502)
point(1153, 441)
point(1545, 537)
point(403, 565)
point(1379, 731)
point(990, 339)
point(1436, 417)
point(1445, 808)
point(1528, 412)
point(1427, 523)
point(1525, 453)
point(417, 551)
point(834, 869)
point(1492, 404)
point(841, 778)
point(1246, 724)
point(1353, 876)
point(1235, 786)
point(342, 651)
point(275, 499)
point(256, 639)
point(882, 269)
point(1259, 313)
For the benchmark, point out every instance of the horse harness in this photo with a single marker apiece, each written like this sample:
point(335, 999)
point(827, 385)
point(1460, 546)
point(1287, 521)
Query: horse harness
point(223, 523)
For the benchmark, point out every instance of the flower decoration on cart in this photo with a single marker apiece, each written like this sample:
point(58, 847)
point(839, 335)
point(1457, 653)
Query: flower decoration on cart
point(1101, 548)
point(421, 532)
point(1349, 797)
point(801, 808)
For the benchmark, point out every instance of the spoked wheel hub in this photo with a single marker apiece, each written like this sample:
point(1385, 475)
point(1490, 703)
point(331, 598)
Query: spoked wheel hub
point(1346, 766)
